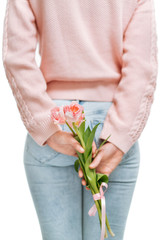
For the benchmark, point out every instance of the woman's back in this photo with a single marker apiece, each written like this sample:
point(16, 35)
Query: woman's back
point(81, 45)
point(102, 53)
point(90, 50)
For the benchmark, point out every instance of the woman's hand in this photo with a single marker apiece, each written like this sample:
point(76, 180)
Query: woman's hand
point(107, 159)
point(64, 142)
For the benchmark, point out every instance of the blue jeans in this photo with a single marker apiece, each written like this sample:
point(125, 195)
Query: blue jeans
point(61, 201)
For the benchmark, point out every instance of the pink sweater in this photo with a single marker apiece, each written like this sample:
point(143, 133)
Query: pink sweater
point(90, 50)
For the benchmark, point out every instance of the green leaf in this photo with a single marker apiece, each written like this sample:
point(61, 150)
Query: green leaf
point(105, 140)
point(82, 128)
point(75, 127)
point(91, 174)
point(79, 134)
point(77, 138)
point(76, 165)
point(74, 134)
point(84, 171)
point(101, 178)
point(90, 141)
point(80, 155)
point(88, 160)
point(101, 145)
point(86, 134)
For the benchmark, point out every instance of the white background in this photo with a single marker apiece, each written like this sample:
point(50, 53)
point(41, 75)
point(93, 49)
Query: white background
point(18, 218)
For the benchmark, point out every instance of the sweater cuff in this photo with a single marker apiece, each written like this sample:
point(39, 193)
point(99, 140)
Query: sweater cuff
point(44, 131)
point(119, 138)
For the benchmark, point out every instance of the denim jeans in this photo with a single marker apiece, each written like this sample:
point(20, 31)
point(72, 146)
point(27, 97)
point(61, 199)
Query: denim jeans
point(61, 201)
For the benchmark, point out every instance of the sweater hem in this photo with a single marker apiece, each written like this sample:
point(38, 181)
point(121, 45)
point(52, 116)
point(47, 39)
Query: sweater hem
point(93, 91)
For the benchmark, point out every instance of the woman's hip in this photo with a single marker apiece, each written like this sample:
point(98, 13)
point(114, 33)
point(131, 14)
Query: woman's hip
point(95, 112)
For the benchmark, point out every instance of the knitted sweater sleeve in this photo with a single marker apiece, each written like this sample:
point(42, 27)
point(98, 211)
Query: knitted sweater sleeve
point(25, 78)
point(127, 116)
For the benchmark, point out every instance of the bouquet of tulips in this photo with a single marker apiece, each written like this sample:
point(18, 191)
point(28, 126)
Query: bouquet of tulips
point(73, 115)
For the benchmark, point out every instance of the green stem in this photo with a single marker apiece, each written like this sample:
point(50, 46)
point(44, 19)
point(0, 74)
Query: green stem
point(94, 189)
point(109, 228)
point(74, 134)
point(98, 202)
point(83, 169)
point(105, 140)
point(101, 145)
point(107, 222)
point(79, 135)
point(97, 205)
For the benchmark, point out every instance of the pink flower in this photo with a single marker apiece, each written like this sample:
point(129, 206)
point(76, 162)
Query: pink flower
point(70, 113)
point(74, 113)
point(57, 115)
point(80, 120)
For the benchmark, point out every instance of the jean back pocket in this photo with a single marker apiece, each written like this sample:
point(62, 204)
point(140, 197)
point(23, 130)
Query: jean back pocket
point(40, 153)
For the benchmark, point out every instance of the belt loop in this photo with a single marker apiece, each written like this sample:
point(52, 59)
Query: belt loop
point(77, 100)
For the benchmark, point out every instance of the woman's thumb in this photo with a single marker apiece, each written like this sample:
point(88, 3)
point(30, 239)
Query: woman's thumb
point(96, 161)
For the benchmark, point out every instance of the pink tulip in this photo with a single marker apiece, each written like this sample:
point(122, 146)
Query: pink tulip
point(70, 113)
point(80, 120)
point(74, 113)
point(57, 115)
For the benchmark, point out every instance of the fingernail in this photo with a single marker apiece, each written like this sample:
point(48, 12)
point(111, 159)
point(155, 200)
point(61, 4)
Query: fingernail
point(82, 149)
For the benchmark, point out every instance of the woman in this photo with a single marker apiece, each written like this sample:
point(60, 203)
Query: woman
point(103, 54)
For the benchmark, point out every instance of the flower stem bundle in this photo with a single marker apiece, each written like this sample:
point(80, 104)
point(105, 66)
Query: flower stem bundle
point(73, 115)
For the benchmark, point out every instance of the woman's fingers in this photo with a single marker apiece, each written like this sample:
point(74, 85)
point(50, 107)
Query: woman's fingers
point(83, 182)
point(96, 160)
point(80, 172)
point(76, 145)
point(94, 148)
